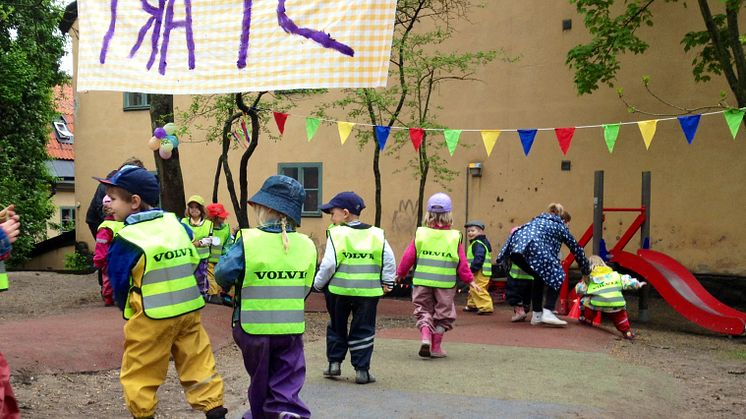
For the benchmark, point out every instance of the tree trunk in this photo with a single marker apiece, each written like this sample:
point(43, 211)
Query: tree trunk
point(169, 171)
point(424, 169)
point(377, 176)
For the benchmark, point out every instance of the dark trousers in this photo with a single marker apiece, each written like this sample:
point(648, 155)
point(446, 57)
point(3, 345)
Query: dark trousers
point(537, 289)
point(277, 368)
point(518, 292)
point(359, 339)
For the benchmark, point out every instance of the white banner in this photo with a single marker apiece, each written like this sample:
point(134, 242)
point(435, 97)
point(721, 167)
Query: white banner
point(226, 46)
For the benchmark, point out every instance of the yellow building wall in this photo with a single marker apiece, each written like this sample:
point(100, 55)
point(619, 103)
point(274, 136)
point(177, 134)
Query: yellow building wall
point(63, 199)
point(697, 190)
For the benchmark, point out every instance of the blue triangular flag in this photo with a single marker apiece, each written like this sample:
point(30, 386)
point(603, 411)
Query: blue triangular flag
point(527, 139)
point(382, 134)
point(689, 125)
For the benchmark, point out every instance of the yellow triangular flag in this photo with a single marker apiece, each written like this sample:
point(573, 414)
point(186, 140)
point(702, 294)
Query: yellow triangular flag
point(489, 137)
point(344, 129)
point(647, 129)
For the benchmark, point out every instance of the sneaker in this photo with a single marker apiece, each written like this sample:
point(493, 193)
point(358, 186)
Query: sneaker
point(629, 335)
point(536, 318)
point(547, 317)
point(364, 377)
point(484, 313)
point(470, 309)
point(520, 314)
point(334, 370)
point(216, 413)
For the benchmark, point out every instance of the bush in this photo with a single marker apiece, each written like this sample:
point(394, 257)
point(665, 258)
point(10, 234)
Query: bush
point(78, 261)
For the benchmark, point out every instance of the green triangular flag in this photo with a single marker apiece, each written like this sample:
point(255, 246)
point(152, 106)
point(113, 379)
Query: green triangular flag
point(452, 136)
point(312, 124)
point(610, 133)
point(733, 117)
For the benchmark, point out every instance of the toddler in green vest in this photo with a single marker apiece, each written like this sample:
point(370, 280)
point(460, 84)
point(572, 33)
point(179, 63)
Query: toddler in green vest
point(220, 241)
point(601, 292)
point(479, 255)
point(438, 255)
point(195, 218)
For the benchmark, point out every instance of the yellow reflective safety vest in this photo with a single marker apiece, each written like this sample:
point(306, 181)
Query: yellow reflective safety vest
point(224, 234)
point(3, 277)
point(112, 225)
point(437, 257)
point(168, 287)
point(275, 282)
point(200, 232)
point(359, 254)
point(605, 289)
point(487, 265)
point(517, 273)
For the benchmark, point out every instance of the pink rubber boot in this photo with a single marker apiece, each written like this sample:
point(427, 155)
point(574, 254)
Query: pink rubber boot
point(427, 336)
point(437, 351)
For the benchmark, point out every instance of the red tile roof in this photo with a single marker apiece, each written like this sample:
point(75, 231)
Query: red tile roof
point(65, 105)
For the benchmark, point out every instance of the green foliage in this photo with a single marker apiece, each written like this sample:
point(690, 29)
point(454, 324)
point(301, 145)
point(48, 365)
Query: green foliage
point(30, 50)
point(77, 261)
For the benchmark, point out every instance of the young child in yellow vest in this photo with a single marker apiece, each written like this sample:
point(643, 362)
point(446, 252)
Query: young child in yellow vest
point(601, 292)
point(10, 229)
point(272, 267)
point(105, 234)
point(151, 269)
point(220, 241)
point(359, 267)
point(479, 256)
point(437, 253)
point(195, 219)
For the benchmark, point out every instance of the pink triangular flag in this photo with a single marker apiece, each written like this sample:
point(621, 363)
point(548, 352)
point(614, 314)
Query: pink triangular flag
point(280, 119)
point(564, 137)
point(416, 135)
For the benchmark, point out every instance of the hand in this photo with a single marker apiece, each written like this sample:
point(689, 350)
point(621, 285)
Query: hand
point(643, 283)
point(11, 227)
point(205, 242)
point(386, 289)
point(473, 285)
point(399, 279)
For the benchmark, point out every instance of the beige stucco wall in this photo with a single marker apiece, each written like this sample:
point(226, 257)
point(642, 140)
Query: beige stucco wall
point(697, 189)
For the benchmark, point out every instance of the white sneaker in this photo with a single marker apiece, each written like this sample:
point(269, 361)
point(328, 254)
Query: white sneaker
point(535, 318)
point(547, 317)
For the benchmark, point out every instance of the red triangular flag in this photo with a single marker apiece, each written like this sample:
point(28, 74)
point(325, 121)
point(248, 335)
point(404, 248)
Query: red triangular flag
point(280, 119)
point(564, 137)
point(416, 134)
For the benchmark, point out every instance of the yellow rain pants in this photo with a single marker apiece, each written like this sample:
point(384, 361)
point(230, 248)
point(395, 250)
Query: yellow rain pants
point(480, 299)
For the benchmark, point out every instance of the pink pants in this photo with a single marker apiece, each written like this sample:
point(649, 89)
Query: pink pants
point(434, 307)
point(8, 405)
point(620, 319)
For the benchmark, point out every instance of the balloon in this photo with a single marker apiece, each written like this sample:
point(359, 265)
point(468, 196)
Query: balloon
point(170, 128)
point(165, 155)
point(173, 139)
point(160, 133)
point(154, 143)
point(167, 146)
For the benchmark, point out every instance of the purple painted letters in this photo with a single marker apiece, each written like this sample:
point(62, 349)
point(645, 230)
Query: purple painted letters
point(321, 38)
point(245, 29)
point(109, 33)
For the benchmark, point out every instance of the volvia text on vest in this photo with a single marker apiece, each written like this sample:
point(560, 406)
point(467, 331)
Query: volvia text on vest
point(350, 255)
point(432, 253)
point(281, 274)
point(171, 254)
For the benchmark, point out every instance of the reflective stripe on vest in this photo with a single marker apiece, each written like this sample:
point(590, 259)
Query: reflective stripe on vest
point(112, 225)
point(224, 233)
point(200, 232)
point(359, 255)
point(607, 293)
point(487, 265)
point(168, 287)
point(518, 273)
point(3, 277)
point(437, 257)
point(275, 282)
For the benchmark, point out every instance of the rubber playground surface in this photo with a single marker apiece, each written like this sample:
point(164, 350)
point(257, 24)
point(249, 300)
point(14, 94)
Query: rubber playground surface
point(494, 368)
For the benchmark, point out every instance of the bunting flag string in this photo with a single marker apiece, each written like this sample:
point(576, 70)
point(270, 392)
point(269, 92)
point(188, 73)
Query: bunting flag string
point(688, 123)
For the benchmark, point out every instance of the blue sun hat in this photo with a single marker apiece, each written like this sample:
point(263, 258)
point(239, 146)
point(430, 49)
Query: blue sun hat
point(136, 181)
point(282, 194)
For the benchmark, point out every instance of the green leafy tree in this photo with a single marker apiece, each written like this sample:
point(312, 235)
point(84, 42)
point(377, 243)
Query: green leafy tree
point(418, 67)
point(30, 50)
point(613, 27)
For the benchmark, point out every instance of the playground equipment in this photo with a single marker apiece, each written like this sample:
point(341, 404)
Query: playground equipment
point(671, 279)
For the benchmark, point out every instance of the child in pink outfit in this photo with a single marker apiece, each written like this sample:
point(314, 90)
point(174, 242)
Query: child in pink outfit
point(437, 252)
point(104, 235)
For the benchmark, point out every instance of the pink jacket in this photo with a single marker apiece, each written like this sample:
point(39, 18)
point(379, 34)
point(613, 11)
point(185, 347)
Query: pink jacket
point(410, 255)
point(104, 237)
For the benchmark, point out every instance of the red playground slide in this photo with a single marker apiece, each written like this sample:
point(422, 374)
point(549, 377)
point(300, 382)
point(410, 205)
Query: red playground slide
point(683, 291)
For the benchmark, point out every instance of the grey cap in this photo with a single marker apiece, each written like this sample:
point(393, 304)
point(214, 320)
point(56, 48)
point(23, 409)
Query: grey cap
point(474, 223)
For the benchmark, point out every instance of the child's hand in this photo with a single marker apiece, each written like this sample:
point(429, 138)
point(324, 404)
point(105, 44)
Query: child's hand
point(643, 283)
point(399, 279)
point(386, 289)
point(473, 285)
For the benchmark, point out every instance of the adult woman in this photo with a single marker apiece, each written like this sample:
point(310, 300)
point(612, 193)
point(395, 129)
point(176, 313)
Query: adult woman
point(535, 247)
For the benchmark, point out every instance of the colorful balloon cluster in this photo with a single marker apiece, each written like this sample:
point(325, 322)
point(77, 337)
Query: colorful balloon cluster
point(164, 140)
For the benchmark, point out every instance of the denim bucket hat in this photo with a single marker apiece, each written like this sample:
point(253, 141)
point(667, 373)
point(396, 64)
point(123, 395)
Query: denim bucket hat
point(282, 194)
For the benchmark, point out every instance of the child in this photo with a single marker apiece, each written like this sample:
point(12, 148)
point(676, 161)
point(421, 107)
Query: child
point(194, 218)
point(10, 228)
point(272, 268)
point(602, 293)
point(220, 242)
point(105, 234)
point(438, 255)
point(519, 290)
point(480, 262)
point(358, 266)
point(151, 269)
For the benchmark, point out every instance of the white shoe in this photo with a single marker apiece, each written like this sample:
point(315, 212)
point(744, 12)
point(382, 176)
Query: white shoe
point(547, 317)
point(535, 318)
